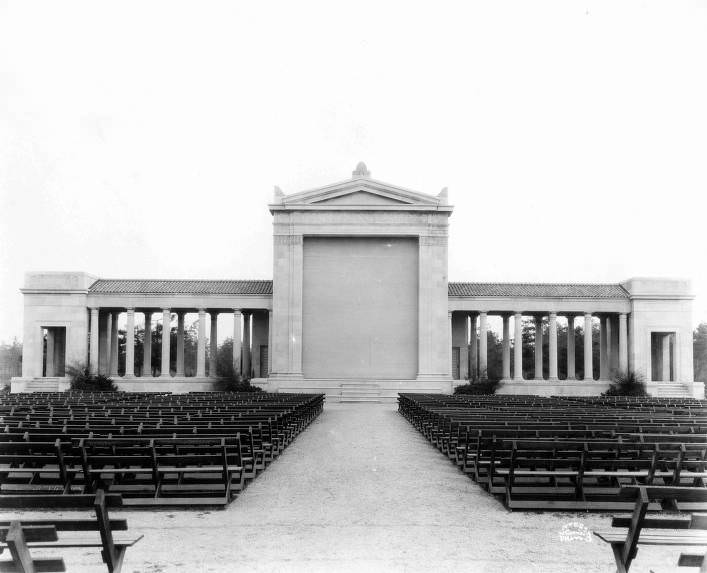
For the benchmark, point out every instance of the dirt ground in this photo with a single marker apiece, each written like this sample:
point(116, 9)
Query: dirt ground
point(362, 490)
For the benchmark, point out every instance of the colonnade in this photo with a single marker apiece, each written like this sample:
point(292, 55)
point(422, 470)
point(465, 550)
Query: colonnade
point(613, 345)
point(103, 342)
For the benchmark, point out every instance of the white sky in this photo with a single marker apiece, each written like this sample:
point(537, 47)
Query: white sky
point(143, 139)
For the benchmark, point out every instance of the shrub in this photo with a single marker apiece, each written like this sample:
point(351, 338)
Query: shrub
point(83, 381)
point(627, 384)
point(238, 383)
point(483, 384)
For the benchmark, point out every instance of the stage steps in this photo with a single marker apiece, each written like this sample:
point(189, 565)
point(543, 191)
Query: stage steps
point(671, 390)
point(360, 392)
point(43, 385)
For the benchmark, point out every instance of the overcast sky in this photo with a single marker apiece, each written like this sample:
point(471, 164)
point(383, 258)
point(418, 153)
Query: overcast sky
point(143, 139)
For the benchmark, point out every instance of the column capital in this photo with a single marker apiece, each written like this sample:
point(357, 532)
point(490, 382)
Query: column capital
point(238, 310)
point(518, 314)
point(201, 311)
point(623, 315)
point(169, 310)
point(130, 309)
point(587, 315)
point(94, 308)
point(552, 315)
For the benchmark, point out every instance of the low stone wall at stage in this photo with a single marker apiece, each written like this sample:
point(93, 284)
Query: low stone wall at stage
point(596, 387)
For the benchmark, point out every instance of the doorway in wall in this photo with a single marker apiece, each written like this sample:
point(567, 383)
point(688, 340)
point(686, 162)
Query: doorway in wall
point(663, 356)
point(54, 353)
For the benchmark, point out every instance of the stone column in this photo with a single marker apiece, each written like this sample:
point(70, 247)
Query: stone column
point(665, 377)
point(147, 345)
point(464, 351)
point(552, 373)
point(213, 343)
point(610, 334)
point(269, 342)
point(237, 345)
point(571, 371)
point(483, 344)
point(93, 344)
point(506, 347)
point(473, 348)
point(51, 368)
point(108, 325)
point(247, 319)
point(130, 345)
point(450, 351)
point(603, 344)
point(113, 364)
point(180, 344)
point(588, 372)
point(539, 348)
point(518, 348)
point(166, 332)
point(623, 343)
point(201, 346)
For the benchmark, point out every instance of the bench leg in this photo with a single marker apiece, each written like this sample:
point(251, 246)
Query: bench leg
point(18, 549)
point(617, 549)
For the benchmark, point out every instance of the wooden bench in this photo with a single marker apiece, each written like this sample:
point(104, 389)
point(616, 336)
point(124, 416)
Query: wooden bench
point(670, 530)
point(21, 535)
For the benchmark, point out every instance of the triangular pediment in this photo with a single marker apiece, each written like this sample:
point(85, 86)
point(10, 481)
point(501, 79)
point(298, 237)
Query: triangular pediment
point(360, 192)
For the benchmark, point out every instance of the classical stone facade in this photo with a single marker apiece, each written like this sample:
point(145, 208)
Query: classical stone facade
point(360, 307)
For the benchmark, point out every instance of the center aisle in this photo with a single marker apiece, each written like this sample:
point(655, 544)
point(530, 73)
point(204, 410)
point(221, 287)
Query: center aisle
point(361, 490)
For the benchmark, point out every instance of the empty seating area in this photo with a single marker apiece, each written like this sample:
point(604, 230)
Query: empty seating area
point(568, 454)
point(153, 449)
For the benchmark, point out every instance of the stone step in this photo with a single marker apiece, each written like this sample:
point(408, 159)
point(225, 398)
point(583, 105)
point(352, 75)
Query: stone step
point(42, 386)
point(360, 399)
point(361, 390)
point(674, 390)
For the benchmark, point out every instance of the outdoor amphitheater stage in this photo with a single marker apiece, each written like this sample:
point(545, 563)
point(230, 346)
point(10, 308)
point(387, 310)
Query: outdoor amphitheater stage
point(360, 306)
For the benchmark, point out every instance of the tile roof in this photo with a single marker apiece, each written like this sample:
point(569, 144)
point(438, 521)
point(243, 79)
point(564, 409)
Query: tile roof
point(264, 287)
point(217, 287)
point(538, 290)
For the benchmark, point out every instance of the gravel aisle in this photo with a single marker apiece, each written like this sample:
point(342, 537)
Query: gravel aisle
point(361, 490)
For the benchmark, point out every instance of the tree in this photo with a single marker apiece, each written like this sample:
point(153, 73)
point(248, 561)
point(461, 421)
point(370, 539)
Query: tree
point(224, 358)
point(10, 360)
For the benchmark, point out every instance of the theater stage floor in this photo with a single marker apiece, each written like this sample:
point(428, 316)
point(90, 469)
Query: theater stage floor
point(361, 490)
